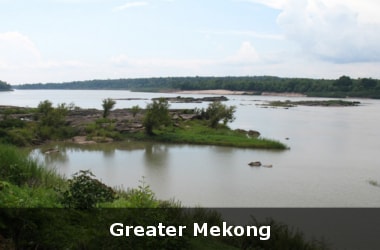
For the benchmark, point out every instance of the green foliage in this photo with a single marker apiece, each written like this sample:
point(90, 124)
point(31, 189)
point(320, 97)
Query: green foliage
point(196, 132)
point(143, 196)
point(217, 112)
point(13, 196)
point(52, 121)
point(135, 109)
point(17, 136)
point(12, 123)
point(84, 191)
point(102, 128)
point(50, 116)
point(5, 86)
point(17, 168)
point(344, 83)
point(341, 87)
point(368, 83)
point(156, 115)
point(107, 105)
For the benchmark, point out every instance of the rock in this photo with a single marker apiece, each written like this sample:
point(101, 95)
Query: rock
point(51, 150)
point(267, 166)
point(180, 99)
point(253, 133)
point(255, 164)
point(187, 116)
point(82, 140)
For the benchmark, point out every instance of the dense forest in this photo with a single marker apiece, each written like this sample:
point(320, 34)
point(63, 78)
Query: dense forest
point(341, 87)
point(5, 86)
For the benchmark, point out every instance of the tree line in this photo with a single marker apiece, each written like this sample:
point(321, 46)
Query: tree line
point(5, 86)
point(342, 87)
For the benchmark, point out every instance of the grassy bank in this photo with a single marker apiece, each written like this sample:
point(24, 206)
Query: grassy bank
point(197, 132)
point(26, 184)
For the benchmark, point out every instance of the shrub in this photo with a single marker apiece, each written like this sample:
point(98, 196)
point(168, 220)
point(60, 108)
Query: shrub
point(107, 105)
point(85, 192)
point(157, 114)
point(135, 109)
point(216, 112)
point(143, 196)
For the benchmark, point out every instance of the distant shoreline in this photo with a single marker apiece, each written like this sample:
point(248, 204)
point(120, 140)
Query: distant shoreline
point(230, 92)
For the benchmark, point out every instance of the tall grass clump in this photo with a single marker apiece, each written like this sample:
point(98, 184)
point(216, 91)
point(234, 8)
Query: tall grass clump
point(18, 168)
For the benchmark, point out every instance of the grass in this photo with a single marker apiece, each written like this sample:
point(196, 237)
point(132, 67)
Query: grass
point(197, 132)
point(19, 169)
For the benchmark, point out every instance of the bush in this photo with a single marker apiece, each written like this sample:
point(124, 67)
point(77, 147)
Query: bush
point(216, 112)
point(157, 114)
point(107, 105)
point(12, 123)
point(143, 196)
point(135, 109)
point(85, 192)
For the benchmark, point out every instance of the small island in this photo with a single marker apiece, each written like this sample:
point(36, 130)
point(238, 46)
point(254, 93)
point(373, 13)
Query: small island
point(320, 103)
point(157, 122)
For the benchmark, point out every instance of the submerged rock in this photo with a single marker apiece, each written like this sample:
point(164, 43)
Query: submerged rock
point(255, 164)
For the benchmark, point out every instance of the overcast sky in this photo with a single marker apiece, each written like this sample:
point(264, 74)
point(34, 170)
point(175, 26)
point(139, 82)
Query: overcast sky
point(66, 40)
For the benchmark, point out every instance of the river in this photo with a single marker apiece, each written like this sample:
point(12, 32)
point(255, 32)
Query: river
point(332, 158)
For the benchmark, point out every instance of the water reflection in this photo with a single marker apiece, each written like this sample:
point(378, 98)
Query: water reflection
point(156, 155)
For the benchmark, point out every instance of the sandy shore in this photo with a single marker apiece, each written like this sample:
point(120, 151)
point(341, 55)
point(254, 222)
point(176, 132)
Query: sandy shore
point(211, 92)
point(229, 92)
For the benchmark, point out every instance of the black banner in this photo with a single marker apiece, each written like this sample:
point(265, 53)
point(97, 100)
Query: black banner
point(192, 228)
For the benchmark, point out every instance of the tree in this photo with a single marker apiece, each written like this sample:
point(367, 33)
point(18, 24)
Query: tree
point(5, 86)
point(156, 115)
point(108, 105)
point(217, 112)
point(344, 83)
point(52, 121)
point(50, 116)
point(368, 83)
point(135, 109)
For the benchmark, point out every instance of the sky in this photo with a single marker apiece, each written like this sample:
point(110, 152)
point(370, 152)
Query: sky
point(66, 40)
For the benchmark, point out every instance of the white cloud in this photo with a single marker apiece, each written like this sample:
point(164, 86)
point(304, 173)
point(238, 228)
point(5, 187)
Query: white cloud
point(130, 5)
point(247, 33)
point(17, 49)
point(330, 32)
point(246, 54)
point(275, 4)
point(21, 61)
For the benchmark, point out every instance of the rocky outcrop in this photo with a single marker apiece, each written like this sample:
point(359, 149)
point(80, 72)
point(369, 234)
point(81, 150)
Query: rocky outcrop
point(255, 164)
point(258, 164)
point(180, 99)
point(267, 166)
point(250, 133)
